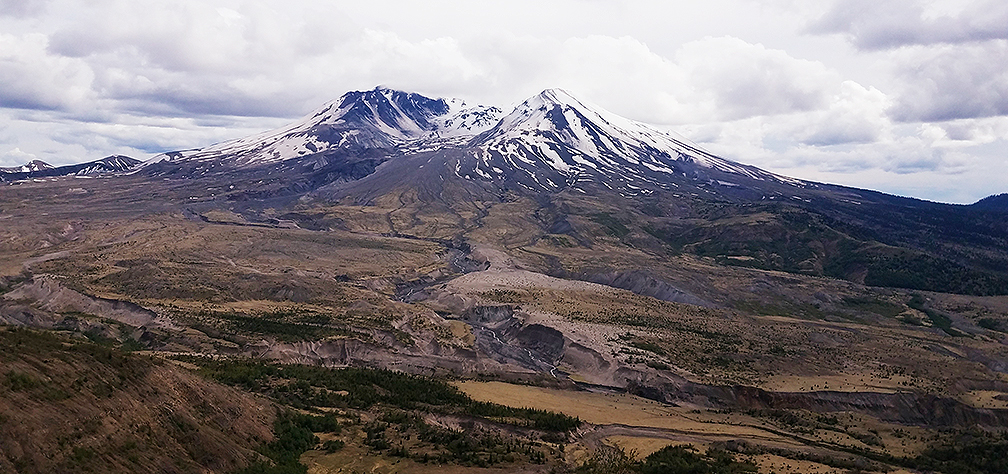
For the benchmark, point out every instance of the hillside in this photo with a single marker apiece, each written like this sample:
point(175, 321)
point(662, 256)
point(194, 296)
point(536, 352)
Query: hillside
point(68, 405)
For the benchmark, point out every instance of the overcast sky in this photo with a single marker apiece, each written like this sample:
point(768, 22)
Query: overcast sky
point(908, 97)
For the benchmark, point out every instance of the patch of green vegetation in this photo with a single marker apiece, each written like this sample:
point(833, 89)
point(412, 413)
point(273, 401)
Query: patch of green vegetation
point(333, 445)
point(870, 304)
point(991, 323)
point(648, 346)
point(970, 453)
point(787, 238)
point(397, 430)
point(899, 268)
point(967, 452)
point(673, 459)
point(285, 325)
point(612, 225)
point(18, 381)
point(559, 241)
point(295, 434)
point(435, 444)
point(938, 319)
point(502, 296)
point(852, 464)
point(684, 459)
point(307, 387)
point(658, 365)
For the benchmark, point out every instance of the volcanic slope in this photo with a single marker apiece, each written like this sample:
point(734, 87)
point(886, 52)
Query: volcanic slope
point(441, 165)
point(577, 162)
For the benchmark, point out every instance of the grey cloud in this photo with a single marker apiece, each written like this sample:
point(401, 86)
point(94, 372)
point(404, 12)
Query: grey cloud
point(22, 8)
point(766, 94)
point(953, 83)
point(15, 98)
point(836, 135)
point(896, 158)
point(204, 98)
point(874, 24)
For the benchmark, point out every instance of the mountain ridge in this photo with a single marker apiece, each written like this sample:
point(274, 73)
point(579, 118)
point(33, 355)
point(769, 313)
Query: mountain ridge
point(41, 169)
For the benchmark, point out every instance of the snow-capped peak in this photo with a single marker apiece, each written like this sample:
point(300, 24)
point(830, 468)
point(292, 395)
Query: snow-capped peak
point(550, 141)
point(556, 140)
point(379, 118)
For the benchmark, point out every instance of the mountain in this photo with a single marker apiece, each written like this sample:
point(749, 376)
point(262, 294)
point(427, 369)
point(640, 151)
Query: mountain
point(547, 143)
point(40, 169)
point(444, 159)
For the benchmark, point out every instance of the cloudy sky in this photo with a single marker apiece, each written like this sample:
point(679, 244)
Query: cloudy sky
point(908, 97)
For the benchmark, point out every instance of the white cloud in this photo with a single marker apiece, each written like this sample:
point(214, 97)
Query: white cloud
point(855, 114)
point(16, 157)
point(746, 80)
point(34, 79)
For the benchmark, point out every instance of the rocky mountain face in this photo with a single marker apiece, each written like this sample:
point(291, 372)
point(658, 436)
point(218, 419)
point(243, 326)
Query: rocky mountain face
point(72, 406)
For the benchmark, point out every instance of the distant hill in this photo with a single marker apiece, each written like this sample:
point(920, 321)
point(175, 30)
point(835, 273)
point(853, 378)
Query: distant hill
point(994, 202)
point(30, 167)
point(41, 169)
